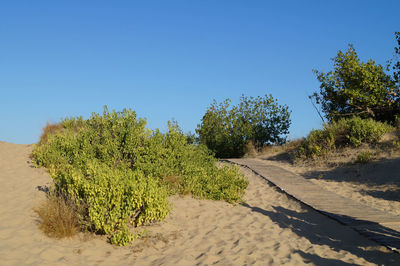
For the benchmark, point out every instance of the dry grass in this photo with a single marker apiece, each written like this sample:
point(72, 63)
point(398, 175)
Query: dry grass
point(58, 217)
point(175, 183)
point(50, 129)
point(288, 148)
point(250, 150)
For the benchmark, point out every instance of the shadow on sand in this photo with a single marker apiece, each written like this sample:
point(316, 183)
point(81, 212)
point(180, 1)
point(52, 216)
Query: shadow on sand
point(381, 176)
point(329, 232)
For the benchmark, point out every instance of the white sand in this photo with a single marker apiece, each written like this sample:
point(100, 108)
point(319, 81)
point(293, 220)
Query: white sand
point(269, 229)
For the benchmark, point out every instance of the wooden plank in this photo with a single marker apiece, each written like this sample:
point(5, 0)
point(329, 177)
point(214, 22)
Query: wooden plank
point(382, 227)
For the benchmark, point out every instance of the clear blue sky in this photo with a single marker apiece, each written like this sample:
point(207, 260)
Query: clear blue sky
point(170, 59)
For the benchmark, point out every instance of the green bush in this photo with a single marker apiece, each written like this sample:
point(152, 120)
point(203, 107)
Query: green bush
point(122, 173)
point(318, 143)
point(228, 130)
point(365, 131)
point(365, 157)
point(345, 132)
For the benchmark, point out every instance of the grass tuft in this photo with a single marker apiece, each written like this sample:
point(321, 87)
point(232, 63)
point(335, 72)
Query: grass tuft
point(58, 216)
point(50, 129)
point(290, 148)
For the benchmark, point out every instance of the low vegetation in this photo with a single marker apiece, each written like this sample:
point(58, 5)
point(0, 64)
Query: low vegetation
point(121, 173)
point(365, 157)
point(59, 216)
point(351, 132)
point(327, 149)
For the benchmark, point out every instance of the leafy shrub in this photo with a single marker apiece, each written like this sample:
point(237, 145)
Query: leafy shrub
point(227, 130)
point(345, 132)
point(113, 196)
point(123, 173)
point(365, 157)
point(318, 143)
point(364, 130)
point(122, 237)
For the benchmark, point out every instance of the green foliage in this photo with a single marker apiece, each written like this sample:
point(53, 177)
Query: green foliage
point(122, 237)
point(318, 143)
point(113, 196)
point(360, 131)
point(227, 130)
point(122, 173)
point(344, 132)
point(357, 88)
point(394, 64)
point(365, 157)
point(397, 144)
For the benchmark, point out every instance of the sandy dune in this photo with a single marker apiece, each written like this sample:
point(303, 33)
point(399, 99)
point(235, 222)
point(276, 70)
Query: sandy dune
point(269, 228)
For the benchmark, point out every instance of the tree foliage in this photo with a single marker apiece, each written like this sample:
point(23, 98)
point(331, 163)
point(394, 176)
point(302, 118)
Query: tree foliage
point(226, 130)
point(357, 88)
point(396, 60)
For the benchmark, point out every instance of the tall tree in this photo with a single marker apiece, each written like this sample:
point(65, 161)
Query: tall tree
point(355, 88)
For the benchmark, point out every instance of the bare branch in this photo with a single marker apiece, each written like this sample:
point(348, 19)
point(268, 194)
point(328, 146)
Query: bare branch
point(322, 118)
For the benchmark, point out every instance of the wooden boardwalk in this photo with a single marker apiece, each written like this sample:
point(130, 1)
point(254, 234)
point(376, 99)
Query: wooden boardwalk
point(379, 226)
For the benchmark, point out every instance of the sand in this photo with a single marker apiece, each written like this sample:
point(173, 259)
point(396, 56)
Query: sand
point(269, 229)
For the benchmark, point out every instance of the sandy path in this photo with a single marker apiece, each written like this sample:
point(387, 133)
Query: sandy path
point(269, 229)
